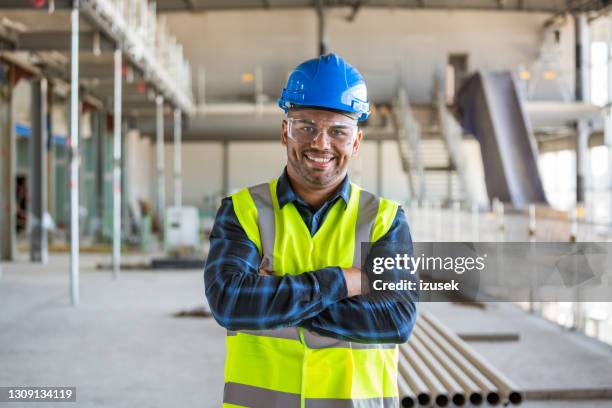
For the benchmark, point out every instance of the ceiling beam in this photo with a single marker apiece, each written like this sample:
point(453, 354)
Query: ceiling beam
point(60, 41)
point(535, 6)
point(29, 5)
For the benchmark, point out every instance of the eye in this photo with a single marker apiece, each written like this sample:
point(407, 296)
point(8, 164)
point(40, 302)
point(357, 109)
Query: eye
point(340, 132)
point(307, 129)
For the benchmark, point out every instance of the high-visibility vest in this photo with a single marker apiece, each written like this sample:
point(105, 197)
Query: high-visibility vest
point(293, 367)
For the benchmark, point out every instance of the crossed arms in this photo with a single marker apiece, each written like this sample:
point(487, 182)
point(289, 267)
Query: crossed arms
point(240, 297)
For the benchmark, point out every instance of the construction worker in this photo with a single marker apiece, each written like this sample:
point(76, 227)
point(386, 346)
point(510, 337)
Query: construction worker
point(283, 272)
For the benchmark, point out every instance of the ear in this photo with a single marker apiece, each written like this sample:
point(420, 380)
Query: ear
point(357, 143)
point(284, 133)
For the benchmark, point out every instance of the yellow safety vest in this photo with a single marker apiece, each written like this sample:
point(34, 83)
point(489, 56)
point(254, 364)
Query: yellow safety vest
point(292, 366)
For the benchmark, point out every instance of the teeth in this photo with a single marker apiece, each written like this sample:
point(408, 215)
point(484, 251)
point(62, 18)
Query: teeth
point(319, 159)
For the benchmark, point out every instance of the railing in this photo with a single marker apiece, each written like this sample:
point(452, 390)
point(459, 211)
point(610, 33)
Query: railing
point(409, 144)
point(451, 134)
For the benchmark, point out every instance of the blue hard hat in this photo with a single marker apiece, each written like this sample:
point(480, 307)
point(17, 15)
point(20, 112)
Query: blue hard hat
point(326, 82)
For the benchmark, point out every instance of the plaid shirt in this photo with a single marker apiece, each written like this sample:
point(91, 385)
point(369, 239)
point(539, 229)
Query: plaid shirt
point(240, 298)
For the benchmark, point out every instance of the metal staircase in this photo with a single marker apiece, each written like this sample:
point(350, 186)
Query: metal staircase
point(424, 152)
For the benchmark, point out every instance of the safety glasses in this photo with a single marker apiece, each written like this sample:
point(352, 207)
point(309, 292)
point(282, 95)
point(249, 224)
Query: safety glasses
point(307, 131)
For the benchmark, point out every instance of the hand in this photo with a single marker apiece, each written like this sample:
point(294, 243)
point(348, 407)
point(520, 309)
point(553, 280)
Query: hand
point(264, 272)
point(355, 281)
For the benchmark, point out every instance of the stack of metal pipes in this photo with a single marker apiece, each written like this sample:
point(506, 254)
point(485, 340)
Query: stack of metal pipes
point(437, 368)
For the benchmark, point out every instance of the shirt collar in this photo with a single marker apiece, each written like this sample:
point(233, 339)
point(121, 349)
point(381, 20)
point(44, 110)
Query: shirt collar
point(286, 194)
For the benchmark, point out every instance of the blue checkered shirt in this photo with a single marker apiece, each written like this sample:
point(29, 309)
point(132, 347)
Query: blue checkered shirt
point(240, 298)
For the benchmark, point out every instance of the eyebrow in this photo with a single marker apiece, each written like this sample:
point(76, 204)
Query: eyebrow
point(334, 122)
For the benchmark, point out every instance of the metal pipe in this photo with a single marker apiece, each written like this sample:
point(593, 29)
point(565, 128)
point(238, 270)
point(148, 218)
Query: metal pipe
point(487, 387)
point(74, 155)
point(178, 180)
point(436, 388)
point(470, 389)
point(322, 27)
point(452, 387)
point(507, 388)
point(414, 381)
point(117, 167)
point(161, 182)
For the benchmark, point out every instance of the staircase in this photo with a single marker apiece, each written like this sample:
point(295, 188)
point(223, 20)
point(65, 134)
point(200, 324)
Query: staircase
point(424, 152)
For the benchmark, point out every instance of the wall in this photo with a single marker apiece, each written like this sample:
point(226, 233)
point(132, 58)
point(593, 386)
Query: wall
point(382, 43)
point(256, 162)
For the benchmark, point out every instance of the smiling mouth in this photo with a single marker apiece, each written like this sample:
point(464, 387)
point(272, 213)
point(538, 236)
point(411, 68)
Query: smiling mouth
point(319, 159)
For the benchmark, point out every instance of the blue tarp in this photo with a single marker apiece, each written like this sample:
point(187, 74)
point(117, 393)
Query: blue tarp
point(25, 131)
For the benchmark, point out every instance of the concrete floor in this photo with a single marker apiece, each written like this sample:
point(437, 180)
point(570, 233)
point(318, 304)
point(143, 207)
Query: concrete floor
point(123, 348)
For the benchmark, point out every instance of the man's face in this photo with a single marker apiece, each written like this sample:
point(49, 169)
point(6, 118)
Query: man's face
point(323, 161)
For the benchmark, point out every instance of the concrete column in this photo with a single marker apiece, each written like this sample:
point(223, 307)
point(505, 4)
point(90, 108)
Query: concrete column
point(178, 177)
point(582, 89)
point(582, 160)
point(582, 57)
point(38, 174)
point(8, 159)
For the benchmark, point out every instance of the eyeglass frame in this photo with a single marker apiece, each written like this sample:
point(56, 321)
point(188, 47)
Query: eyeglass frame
point(355, 126)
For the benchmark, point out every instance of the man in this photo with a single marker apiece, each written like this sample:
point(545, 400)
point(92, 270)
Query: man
point(283, 273)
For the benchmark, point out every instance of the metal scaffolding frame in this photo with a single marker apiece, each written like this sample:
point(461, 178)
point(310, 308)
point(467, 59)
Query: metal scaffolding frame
point(142, 51)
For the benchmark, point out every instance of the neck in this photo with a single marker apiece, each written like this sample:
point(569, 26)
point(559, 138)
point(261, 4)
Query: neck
point(312, 196)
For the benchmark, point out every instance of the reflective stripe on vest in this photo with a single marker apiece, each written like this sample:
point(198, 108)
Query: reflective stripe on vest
point(293, 365)
point(255, 397)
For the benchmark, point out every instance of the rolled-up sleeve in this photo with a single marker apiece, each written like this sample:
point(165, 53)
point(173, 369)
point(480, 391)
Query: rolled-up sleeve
point(385, 317)
point(240, 298)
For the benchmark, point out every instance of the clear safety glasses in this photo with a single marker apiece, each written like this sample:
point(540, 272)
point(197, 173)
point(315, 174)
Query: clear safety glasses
point(307, 131)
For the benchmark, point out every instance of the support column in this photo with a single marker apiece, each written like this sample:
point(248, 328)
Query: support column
point(379, 168)
point(8, 158)
point(225, 170)
point(582, 156)
point(161, 182)
point(117, 167)
point(582, 89)
point(98, 126)
point(38, 174)
point(74, 156)
point(51, 182)
point(608, 124)
point(178, 164)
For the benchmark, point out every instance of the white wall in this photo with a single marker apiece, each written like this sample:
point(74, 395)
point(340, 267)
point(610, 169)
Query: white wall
point(201, 171)
point(252, 163)
point(140, 170)
point(378, 43)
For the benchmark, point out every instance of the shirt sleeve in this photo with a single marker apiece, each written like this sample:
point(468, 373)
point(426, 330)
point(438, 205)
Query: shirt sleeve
point(378, 317)
point(240, 298)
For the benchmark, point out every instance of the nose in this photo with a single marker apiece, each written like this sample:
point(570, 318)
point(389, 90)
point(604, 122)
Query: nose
point(322, 141)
